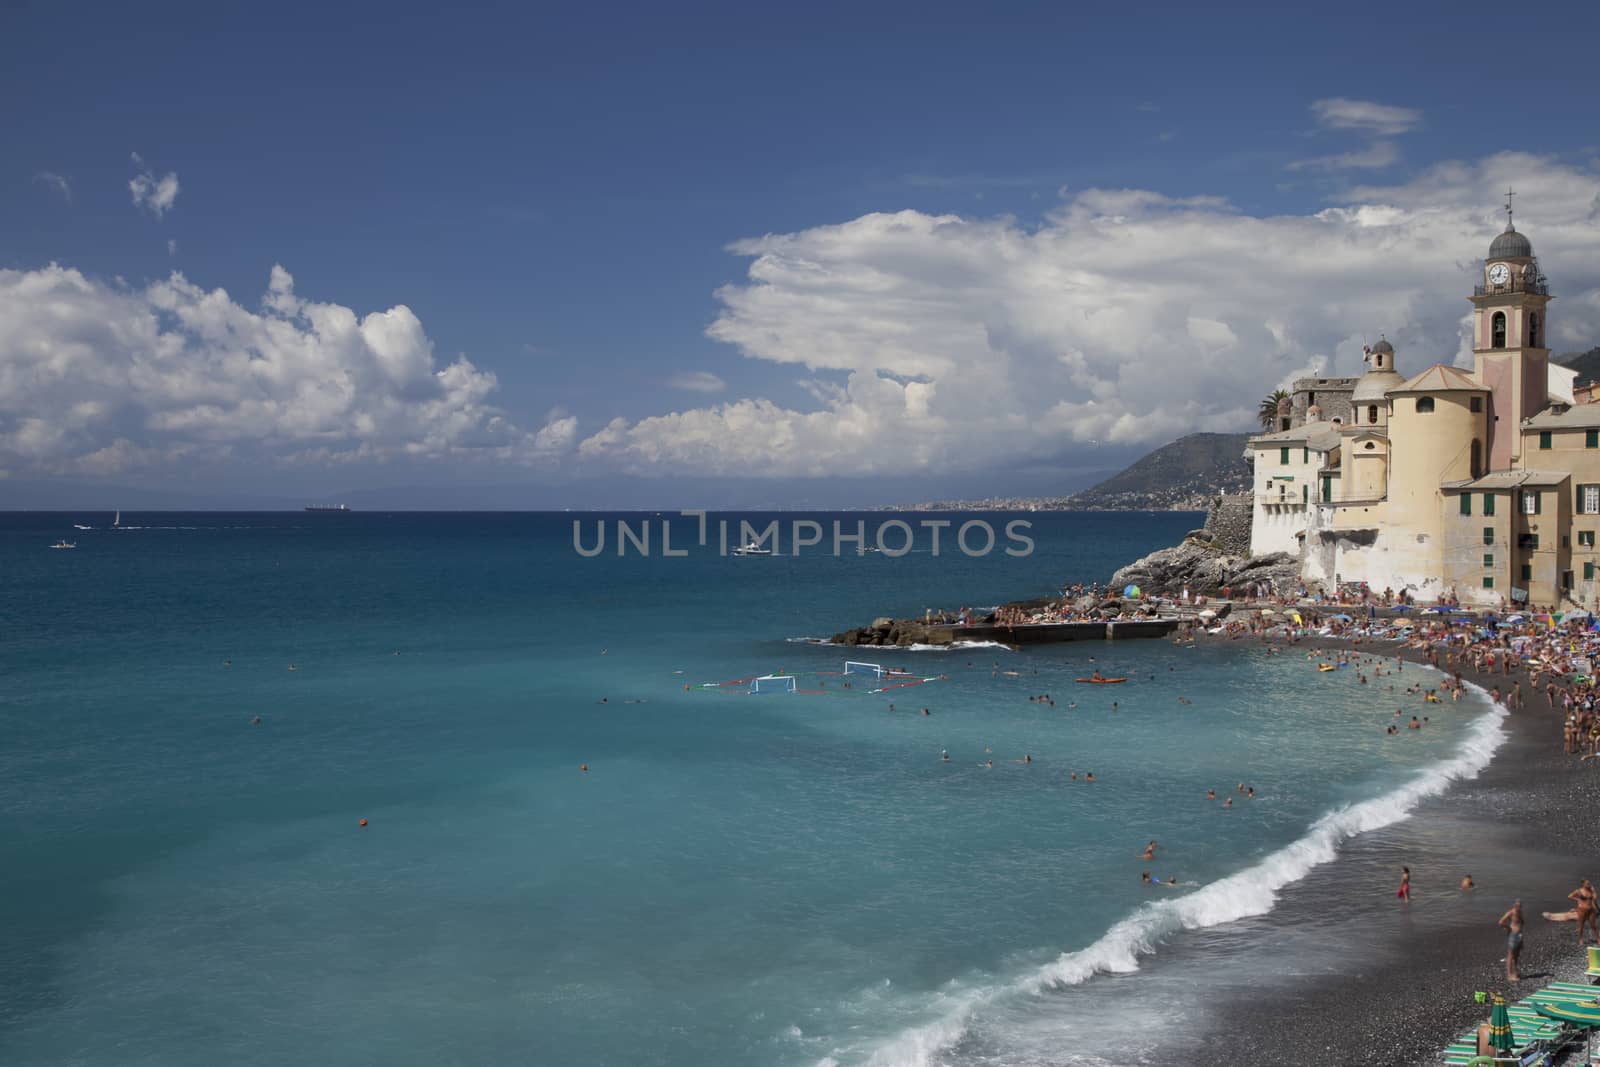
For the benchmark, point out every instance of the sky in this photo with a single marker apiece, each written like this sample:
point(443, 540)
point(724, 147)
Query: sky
point(743, 255)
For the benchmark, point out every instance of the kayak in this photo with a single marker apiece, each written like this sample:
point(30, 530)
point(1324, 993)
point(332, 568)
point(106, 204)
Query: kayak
point(1328, 667)
point(1102, 681)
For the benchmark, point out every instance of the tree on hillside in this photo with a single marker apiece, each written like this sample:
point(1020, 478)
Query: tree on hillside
point(1268, 412)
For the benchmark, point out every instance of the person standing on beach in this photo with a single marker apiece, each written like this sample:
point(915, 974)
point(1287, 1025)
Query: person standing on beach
point(1405, 885)
point(1512, 922)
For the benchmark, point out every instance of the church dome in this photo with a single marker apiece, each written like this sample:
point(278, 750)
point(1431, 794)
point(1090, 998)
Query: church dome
point(1383, 346)
point(1510, 244)
point(1375, 385)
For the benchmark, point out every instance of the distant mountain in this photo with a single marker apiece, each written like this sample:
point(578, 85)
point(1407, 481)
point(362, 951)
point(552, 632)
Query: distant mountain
point(1181, 476)
point(1587, 364)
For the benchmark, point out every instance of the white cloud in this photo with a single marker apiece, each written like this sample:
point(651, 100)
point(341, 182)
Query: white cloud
point(1126, 317)
point(1375, 156)
point(99, 378)
point(1386, 120)
point(697, 381)
point(50, 179)
point(150, 192)
point(172, 247)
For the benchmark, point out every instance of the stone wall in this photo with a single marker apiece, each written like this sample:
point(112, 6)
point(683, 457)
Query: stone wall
point(1332, 395)
point(1228, 523)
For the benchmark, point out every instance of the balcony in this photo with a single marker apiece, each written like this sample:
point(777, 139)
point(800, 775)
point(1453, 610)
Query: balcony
point(1515, 284)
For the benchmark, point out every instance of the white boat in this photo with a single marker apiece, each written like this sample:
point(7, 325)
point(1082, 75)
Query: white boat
point(65, 544)
point(116, 522)
point(752, 549)
point(81, 526)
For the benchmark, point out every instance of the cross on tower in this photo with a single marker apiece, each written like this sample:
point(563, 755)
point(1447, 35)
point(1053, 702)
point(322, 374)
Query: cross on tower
point(1510, 192)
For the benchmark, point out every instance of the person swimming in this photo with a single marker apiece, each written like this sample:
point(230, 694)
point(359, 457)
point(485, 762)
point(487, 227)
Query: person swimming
point(945, 755)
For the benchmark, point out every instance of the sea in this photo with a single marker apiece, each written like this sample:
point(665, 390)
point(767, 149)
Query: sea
point(456, 788)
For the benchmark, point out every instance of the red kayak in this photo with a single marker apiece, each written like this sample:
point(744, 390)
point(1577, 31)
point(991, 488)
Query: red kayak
point(1102, 681)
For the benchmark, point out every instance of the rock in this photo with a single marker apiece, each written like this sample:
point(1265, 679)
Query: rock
point(1204, 536)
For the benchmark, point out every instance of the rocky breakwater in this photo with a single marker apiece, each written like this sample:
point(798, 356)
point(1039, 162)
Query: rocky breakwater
point(1202, 566)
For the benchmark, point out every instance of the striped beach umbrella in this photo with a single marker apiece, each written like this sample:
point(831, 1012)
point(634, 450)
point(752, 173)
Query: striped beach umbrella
point(1500, 1026)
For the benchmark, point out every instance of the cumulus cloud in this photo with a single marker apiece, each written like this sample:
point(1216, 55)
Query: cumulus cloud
point(154, 194)
point(1386, 120)
point(51, 180)
point(98, 378)
point(697, 381)
point(1125, 317)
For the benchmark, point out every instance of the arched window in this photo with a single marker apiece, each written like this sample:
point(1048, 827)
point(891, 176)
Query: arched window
point(1498, 328)
point(1424, 405)
point(1533, 329)
point(1477, 458)
point(1372, 413)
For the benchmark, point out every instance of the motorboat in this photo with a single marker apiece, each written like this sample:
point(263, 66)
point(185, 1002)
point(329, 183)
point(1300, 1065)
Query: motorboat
point(65, 544)
point(81, 526)
point(752, 549)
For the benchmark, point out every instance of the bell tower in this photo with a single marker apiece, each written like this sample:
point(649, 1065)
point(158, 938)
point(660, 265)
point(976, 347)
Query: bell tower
point(1509, 352)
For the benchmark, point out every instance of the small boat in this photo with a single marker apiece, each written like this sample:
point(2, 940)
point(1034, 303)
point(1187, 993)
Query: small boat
point(65, 544)
point(116, 523)
point(81, 526)
point(752, 549)
point(1102, 681)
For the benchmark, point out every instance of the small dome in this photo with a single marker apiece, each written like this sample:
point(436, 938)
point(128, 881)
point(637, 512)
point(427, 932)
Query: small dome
point(1510, 244)
point(1374, 386)
point(1383, 346)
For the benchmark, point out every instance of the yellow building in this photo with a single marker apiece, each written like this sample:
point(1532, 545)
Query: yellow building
point(1482, 484)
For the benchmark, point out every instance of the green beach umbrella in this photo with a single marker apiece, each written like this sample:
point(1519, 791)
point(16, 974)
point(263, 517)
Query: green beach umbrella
point(1581, 1014)
point(1500, 1026)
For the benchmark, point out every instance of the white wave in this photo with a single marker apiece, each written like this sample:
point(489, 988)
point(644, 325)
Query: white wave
point(955, 646)
point(1250, 892)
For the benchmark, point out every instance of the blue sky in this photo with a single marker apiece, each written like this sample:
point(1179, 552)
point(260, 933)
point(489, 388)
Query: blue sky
point(557, 194)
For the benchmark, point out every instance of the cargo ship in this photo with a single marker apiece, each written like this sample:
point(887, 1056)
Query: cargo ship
point(327, 507)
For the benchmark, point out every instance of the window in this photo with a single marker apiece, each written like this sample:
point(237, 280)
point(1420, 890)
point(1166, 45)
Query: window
point(1544, 440)
point(1476, 404)
point(1585, 538)
point(1591, 439)
point(1283, 455)
point(1530, 502)
point(1372, 413)
point(1424, 405)
point(1527, 572)
point(1529, 541)
point(1305, 493)
point(1305, 454)
point(1488, 535)
point(1588, 572)
point(1466, 503)
point(1498, 329)
point(1477, 458)
point(1566, 580)
point(1533, 327)
point(1327, 490)
point(1488, 503)
point(1488, 583)
point(1488, 559)
point(1589, 500)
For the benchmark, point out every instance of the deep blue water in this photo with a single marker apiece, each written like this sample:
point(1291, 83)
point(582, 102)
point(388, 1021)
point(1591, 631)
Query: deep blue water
point(784, 879)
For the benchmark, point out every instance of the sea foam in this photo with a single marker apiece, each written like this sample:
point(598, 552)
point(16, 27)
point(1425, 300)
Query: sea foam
point(1250, 892)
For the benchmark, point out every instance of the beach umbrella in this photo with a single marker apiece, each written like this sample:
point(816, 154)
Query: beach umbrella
point(1342, 618)
point(1500, 1026)
point(1581, 1014)
point(1516, 618)
point(1208, 614)
point(1403, 622)
point(1131, 590)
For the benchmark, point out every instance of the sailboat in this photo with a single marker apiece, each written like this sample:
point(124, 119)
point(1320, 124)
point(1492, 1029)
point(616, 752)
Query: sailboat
point(116, 523)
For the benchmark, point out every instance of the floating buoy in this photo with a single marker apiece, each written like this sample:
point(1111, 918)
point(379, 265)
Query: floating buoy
point(584, 768)
point(363, 824)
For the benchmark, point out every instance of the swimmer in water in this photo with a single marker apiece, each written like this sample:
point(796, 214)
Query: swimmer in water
point(256, 721)
point(945, 755)
point(1026, 758)
point(1074, 776)
point(1228, 803)
point(1149, 851)
point(292, 667)
point(227, 663)
point(1211, 794)
point(1088, 776)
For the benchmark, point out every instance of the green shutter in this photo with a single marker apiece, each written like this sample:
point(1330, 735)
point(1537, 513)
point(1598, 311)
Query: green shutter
point(1588, 572)
point(1283, 455)
point(1488, 535)
point(1488, 583)
point(1544, 439)
point(1305, 493)
point(1466, 503)
point(1488, 503)
point(1591, 439)
point(1327, 490)
point(1527, 572)
point(1488, 559)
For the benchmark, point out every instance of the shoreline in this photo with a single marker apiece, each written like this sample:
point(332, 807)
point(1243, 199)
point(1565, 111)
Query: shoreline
point(1413, 993)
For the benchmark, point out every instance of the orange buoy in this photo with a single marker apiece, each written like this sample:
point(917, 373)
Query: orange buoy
point(584, 768)
point(363, 824)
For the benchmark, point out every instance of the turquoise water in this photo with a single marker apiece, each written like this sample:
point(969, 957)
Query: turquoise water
point(783, 879)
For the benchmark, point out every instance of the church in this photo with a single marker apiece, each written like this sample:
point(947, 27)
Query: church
point(1480, 485)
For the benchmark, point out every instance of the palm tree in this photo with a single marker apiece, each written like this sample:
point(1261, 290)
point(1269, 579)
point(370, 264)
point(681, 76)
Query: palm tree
point(1268, 412)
